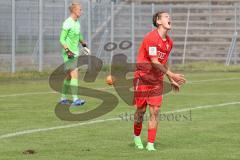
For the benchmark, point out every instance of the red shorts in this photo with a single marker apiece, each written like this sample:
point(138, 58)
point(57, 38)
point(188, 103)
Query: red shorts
point(147, 94)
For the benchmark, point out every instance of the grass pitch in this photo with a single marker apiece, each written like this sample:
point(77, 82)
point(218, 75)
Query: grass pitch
point(210, 132)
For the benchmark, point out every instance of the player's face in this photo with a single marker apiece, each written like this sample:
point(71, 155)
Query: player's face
point(78, 11)
point(165, 21)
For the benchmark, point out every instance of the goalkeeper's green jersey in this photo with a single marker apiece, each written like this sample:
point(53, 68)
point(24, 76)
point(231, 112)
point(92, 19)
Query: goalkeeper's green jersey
point(71, 35)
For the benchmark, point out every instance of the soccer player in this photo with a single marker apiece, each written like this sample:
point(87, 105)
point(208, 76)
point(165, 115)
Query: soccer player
point(70, 38)
point(148, 77)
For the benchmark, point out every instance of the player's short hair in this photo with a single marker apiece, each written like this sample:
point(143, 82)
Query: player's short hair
point(156, 17)
point(73, 5)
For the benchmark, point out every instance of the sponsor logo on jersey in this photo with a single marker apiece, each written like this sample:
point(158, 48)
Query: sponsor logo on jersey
point(161, 55)
point(152, 51)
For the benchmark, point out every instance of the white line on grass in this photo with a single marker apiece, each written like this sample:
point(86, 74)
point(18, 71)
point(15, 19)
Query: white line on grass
point(9, 135)
point(213, 80)
point(54, 128)
point(25, 94)
point(37, 93)
point(203, 107)
point(108, 88)
point(208, 94)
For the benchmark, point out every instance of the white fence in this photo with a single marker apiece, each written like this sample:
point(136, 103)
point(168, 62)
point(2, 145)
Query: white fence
point(29, 31)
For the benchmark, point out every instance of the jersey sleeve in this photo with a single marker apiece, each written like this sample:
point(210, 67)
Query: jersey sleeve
point(81, 37)
point(66, 25)
point(63, 36)
point(151, 48)
point(65, 28)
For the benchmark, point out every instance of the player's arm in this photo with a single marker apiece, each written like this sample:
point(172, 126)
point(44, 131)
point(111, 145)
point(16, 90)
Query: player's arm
point(169, 78)
point(151, 48)
point(81, 40)
point(167, 68)
point(156, 64)
point(179, 78)
point(63, 37)
point(175, 85)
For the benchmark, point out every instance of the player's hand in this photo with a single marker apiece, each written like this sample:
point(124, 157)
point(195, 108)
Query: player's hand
point(178, 78)
point(84, 44)
point(175, 86)
point(69, 53)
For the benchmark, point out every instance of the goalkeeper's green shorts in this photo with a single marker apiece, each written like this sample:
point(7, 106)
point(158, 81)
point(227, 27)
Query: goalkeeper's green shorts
point(69, 64)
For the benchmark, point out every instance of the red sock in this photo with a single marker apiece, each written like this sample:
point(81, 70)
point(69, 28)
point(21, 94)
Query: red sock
point(152, 135)
point(137, 129)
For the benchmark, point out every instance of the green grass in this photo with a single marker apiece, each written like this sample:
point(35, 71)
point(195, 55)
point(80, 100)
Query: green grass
point(213, 133)
point(207, 66)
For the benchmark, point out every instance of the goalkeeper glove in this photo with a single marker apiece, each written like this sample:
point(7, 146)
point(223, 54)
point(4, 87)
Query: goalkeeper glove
point(69, 53)
point(86, 50)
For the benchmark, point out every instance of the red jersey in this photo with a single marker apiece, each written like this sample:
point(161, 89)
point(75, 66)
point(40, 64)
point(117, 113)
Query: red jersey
point(152, 46)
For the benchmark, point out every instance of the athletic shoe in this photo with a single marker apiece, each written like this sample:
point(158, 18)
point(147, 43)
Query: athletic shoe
point(150, 147)
point(78, 102)
point(64, 102)
point(138, 142)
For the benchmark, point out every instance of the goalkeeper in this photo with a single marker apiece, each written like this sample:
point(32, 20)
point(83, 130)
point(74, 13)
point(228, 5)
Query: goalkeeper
point(70, 38)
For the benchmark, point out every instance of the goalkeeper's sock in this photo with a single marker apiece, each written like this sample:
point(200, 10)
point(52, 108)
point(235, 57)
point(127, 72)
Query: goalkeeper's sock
point(137, 128)
point(152, 135)
point(74, 88)
point(65, 87)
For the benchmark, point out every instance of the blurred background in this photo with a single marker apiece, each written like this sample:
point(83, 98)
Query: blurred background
point(203, 30)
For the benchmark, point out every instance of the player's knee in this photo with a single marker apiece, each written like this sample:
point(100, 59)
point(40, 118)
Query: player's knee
point(139, 115)
point(154, 115)
point(153, 118)
point(68, 77)
point(142, 111)
point(74, 73)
